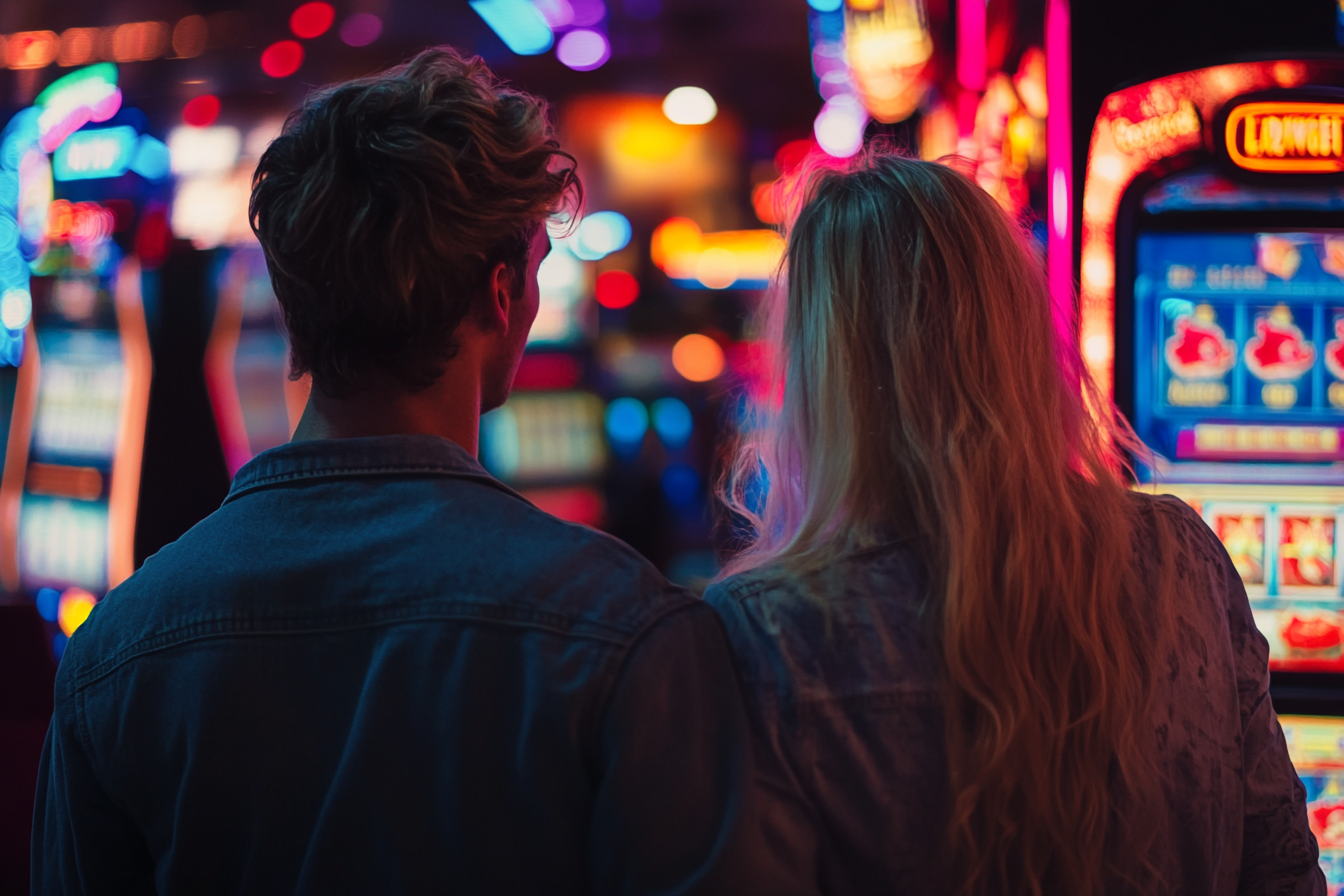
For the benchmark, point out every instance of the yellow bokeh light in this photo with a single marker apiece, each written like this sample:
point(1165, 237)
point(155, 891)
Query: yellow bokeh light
point(75, 607)
point(698, 358)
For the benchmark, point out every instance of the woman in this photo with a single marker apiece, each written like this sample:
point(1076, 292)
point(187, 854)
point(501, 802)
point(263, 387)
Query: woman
point(978, 662)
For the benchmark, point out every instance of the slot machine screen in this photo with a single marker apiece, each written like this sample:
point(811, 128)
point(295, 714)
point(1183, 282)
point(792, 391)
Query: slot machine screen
point(1316, 746)
point(1243, 386)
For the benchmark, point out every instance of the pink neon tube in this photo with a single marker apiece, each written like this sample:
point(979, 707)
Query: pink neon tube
point(971, 44)
point(1059, 157)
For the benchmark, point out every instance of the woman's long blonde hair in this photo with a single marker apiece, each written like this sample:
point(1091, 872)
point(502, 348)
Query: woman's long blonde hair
point(926, 387)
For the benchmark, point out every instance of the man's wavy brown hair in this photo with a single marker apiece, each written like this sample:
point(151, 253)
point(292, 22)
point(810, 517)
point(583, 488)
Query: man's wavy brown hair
point(386, 202)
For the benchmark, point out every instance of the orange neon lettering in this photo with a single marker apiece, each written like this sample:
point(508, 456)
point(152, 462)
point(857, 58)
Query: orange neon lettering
point(1296, 126)
point(1274, 125)
point(1298, 137)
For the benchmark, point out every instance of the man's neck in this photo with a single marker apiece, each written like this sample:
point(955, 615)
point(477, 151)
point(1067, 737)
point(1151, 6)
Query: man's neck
point(450, 409)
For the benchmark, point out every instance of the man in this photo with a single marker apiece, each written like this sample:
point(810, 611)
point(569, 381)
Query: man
point(375, 668)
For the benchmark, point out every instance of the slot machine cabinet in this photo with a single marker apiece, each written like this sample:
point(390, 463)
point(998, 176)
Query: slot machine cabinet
point(1212, 307)
point(82, 203)
point(256, 403)
point(69, 494)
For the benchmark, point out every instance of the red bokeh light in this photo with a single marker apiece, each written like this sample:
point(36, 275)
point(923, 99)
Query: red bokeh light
point(312, 19)
point(282, 58)
point(154, 238)
point(792, 154)
point(201, 111)
point(616, 289)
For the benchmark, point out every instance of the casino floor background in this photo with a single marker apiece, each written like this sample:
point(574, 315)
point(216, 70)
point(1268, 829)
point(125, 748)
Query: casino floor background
point(142, 363)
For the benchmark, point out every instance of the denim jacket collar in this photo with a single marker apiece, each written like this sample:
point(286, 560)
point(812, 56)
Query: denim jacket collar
point(394, 455)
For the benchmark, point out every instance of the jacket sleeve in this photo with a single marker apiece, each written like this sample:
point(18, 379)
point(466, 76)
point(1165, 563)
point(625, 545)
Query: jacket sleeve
point(673, 811)
point(82, 843)
point(1279, 853)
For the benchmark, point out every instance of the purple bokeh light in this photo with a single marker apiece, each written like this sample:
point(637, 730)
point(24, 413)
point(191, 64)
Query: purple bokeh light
point(583, 50)
point(587, 12)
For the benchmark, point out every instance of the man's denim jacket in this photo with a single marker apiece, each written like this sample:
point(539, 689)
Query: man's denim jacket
point(377, 669)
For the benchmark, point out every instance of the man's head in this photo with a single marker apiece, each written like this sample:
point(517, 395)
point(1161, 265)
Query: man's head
point(396, 209)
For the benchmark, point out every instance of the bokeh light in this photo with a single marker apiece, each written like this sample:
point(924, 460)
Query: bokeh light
point(616, 289)
point(627, 421)
point(716, 268)
point(557, 13)
point(839, 126)
point(697, 357)
point(75, 607)
point(361, 29)
point(16, 307)
point(48, 602)
point(587, 12)
point(201, 111)
point(583, 50)
point(672, 421)
point(690, 105)
point(600, 234)
point(282, 58)
point(190, 36)
point(312, 19)
point(517, 23)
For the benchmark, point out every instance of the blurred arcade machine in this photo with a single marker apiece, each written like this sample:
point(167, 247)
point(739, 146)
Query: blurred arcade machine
point(85, 201)
point(547, 439)
point(256, 404)
point(1212, 304)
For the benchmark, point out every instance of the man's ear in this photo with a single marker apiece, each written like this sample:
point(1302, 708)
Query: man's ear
point(501, 294)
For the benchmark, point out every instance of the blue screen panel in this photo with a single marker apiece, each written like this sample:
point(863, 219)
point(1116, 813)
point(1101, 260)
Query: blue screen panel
point(1239, 346)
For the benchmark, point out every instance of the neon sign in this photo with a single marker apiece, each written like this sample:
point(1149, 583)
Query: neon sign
point(1284, 137)
point(1130, 136)
point(69, 103)
point(105, 152)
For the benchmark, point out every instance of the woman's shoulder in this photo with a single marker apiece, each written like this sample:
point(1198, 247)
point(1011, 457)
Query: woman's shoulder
point(1167, 523)
point(860, 625)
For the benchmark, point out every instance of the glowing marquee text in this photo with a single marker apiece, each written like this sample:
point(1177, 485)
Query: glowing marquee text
point(1299, 138)
point(1131, 135)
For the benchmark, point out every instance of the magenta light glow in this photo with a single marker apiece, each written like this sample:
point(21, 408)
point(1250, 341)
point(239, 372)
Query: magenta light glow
point(1059, 157)
point(361, 29)
point(971, 44)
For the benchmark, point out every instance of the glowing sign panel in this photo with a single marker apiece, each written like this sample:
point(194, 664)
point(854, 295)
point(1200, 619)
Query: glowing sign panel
point(105, 152)
point(1130, 136)
point(1281, 137)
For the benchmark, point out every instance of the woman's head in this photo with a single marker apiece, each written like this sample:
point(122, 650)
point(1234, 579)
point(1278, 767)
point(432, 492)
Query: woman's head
point(926, 388)
point(915, 331)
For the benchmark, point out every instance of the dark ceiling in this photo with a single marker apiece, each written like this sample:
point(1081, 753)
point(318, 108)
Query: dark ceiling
point(752, 55)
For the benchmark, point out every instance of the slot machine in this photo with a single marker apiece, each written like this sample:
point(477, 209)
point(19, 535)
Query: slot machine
point(1212, 305)
point(84, 207)
point(256, 404)
point(547, 440)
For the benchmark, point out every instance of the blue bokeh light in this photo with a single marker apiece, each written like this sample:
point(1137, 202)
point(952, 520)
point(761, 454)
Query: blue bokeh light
point(672, 421)
point(518, 24)
point(48, 603)
point(627, 422)
point(601, 234)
